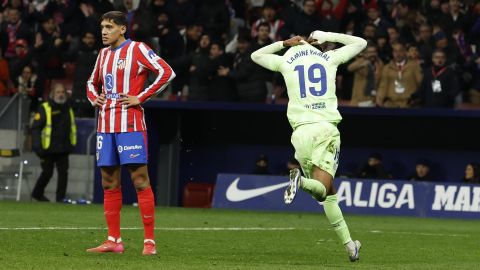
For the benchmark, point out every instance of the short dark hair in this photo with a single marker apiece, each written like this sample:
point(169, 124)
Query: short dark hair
point(266, 24)
point(116, 17)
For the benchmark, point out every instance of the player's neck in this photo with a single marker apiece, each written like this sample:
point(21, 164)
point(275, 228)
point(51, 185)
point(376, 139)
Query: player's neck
point(117, 43)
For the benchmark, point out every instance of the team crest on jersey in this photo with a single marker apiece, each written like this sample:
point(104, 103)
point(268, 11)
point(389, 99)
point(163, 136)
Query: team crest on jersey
point(121, 63)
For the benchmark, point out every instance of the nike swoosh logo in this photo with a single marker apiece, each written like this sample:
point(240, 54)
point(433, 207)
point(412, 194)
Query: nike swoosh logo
point(134, 156)
point(234, 194)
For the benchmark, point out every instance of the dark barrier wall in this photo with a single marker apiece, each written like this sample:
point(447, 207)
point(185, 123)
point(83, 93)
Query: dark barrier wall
point(194, 141)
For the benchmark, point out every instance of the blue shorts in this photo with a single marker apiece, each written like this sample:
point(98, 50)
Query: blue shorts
point(115, 149)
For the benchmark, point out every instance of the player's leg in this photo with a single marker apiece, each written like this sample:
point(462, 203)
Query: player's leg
point(134, 155)
point(334, 213)
point(304, 139)
point(107, 160)
point(325, 158)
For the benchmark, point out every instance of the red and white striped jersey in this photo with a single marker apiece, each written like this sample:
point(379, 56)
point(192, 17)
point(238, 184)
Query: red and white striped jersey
point(124, 70)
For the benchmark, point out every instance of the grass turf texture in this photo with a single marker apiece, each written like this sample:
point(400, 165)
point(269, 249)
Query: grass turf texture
point(306, 243)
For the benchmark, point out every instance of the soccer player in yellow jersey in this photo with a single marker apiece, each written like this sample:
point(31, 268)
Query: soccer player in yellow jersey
point(313, 114)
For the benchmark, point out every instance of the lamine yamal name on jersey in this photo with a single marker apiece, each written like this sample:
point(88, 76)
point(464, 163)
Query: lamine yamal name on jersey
point(308, 52)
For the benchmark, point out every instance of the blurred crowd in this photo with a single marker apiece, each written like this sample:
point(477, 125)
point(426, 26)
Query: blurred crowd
point(419, 53)
point(373, 168)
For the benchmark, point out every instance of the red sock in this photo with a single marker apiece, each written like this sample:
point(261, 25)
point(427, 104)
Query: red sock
point(146, 203)
point(112, 204)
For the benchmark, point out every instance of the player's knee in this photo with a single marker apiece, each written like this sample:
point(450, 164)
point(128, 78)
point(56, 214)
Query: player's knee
point(140, 181)
point(110, 182)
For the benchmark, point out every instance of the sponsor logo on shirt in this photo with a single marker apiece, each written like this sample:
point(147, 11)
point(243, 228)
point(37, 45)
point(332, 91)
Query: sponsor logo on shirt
point(129, 148)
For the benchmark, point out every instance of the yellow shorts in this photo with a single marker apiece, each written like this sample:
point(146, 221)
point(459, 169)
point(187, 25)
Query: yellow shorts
point(317, 144)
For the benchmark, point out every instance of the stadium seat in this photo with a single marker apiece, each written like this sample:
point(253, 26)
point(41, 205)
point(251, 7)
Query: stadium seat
point(198, 195)
point(11, 180)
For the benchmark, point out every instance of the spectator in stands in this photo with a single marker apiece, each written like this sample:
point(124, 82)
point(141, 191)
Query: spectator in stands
point(91, 12)
point(84, 57)
point(422, 171)
point(11, 29)
point(454, 57)
point(400, 79)
point(53, 138)
point(199, 71)
point(439, 85)
point(369, 32)
point(425, 44)
point(4, 75)
point(407, 20)
point(262, 39)
point(329, 14)
point(413, 54)
point(474, 92)
point(139, 20)
point(170, 40)
point(249, 82)
point(50, 46)
point(367, 68)
point(214, 17)
point(459, 39)
point(190, 38)
point(393, 35)
point(454, 19)
point(373, 15)
point(261, 166)
point(383, 47)
point(221, 88)
point(23, 56)
point(269, 16)
point(182, 12)
point(433, 12)
point(26, 84)
point(373, 168)
point(472, 173)
point(304, 23)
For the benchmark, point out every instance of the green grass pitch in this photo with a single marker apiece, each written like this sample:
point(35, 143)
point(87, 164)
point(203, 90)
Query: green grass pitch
point(55, 236)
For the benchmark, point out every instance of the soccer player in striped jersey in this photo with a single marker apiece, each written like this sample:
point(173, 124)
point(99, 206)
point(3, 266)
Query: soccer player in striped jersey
point(116, 88)
point(312, 112)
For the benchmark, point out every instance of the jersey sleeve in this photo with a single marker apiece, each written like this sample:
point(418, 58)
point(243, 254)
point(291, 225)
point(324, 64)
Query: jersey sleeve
point(94, 82)
point(267, 58)
point(148, 59)
point(353, 46)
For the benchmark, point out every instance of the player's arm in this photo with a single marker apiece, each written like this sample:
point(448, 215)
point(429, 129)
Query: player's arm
point(353, 45)
point(266, 56)
point(93, 85)
point(148, 59)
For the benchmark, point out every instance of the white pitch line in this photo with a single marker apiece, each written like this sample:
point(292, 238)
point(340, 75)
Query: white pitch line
point(141, 228)
point(420, 233)
point(220, 229)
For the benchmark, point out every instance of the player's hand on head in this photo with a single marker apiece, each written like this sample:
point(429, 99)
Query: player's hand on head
point(100, 100)
point(317, 37)
point(129, 101)
point(293, 41)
